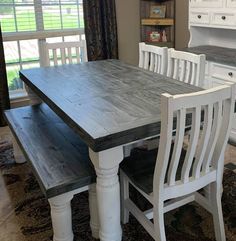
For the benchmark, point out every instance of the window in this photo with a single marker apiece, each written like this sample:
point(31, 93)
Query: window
point(30, 15)
point(26, 23)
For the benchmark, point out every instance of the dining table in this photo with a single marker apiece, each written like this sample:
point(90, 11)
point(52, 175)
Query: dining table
point(110, 105)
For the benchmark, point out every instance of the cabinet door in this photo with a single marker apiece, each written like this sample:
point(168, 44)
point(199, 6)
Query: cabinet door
point(231, 3)
point(207, 3)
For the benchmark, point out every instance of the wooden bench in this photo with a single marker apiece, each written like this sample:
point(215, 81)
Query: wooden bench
point(60, 162)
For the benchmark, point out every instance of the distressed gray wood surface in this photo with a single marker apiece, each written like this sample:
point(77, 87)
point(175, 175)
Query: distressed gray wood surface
point(58, 156)
point(108, 103)
point(216, 54)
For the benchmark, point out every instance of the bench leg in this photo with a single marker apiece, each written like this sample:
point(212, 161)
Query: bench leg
point(18, 155)
point(94, 219)
point(61, 217)
point(33, 98)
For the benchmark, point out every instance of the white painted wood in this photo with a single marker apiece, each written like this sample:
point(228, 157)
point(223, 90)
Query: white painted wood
point(93, 210)
point(222, 72)
point(137, 213)
point(106, 164)
point(181, 116)
point(231, 3)
point(224, 19)
point(217, 75)
point(153, 58)
point(25, 35)
point(65, 53)
point(61, 213)
point(214, 14)
point(206, 3)
point(215, 201)
point(186, 67)
point(61, 217)
point(199, 17)
point(33, 98)
point(203, 163)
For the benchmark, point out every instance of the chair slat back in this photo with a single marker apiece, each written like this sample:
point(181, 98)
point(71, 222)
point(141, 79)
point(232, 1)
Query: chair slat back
point(65, 53)
point(153, 58)
point(207, 143)
point(186, 67)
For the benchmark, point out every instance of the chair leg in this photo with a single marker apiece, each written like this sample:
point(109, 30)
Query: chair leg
point(124, 185)
point(159, 226)
point(61, 217)
point(94, 219)
point(215, 202)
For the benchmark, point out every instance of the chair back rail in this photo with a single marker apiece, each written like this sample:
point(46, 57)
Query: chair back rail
point(65, 53)
point(153, 58)
point(207, 143)
point(186, 67)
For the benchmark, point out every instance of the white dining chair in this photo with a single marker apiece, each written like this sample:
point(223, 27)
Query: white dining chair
point(174, 176)
point(186, 67)
point(65, 53)
point(153, 58)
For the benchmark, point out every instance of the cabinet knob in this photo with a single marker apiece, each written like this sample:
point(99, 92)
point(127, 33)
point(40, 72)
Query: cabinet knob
point(223, 17)
point(230, 74)
point(199, 16)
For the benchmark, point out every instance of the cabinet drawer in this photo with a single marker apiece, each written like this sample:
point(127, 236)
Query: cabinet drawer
point(218, 82)
point(223, 19)
point(223, 72)
point(199, 17)
point(207, 83)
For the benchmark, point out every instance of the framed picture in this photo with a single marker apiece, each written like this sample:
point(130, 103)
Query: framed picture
point(155, 36)
point(158, 11)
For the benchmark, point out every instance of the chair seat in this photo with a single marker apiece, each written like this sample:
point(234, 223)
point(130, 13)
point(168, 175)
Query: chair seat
point(140, 166)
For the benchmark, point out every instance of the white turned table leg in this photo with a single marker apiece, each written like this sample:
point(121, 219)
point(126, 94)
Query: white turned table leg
point(93, 208)
point(106, 164)
point(18, 155)
point(61, 217)
point(33, 98)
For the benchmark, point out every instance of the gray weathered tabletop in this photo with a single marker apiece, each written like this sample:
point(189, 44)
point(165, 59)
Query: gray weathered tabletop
point(109, 103)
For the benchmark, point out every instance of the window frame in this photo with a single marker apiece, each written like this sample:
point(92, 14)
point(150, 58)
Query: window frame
point(41, 35)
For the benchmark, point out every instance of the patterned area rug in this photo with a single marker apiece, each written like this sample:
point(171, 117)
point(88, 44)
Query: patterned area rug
point(188, 223)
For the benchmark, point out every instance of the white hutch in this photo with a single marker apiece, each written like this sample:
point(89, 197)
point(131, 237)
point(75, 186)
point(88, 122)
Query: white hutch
point(212, 26)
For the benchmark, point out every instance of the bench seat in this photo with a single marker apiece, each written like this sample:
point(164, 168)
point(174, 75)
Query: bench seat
point(60, 162)
point(58, 156)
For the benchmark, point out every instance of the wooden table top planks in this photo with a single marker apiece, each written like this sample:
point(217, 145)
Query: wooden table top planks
point(108, 103)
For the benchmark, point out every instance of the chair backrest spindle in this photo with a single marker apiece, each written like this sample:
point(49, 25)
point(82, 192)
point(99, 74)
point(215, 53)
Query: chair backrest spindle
point(65, 53)
point(186, 67)
point(153, 58)
point(207, 143)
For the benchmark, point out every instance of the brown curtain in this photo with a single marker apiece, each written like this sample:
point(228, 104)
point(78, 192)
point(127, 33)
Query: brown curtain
point(100, 29)
point(4, 94)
